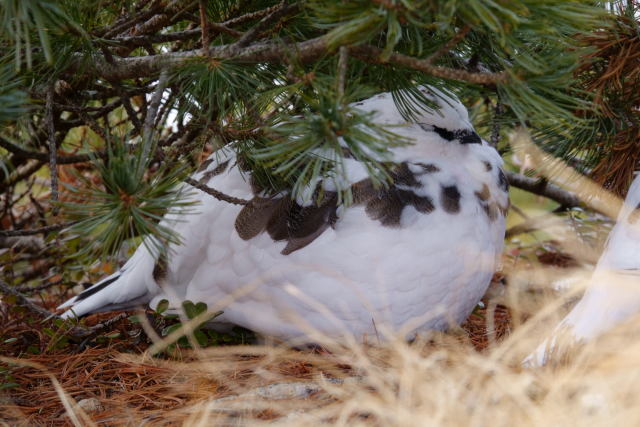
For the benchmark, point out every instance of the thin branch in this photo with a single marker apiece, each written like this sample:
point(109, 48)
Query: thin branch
point(204, 25)
point(21, 174)
point(122, 26)
point(215, 193)
point(551, 191)
point(152, 111)
point(143, 66)
point(222, 28)
point(531, 224)
point(126, 102)
point(53, 150)
point(43, 286)
point(30, 244)
point(33, 231)
point(61, 160)
point(343, 59)
point(281, 12)
point(138, 40)
point(495, 128)
point(449, 45)
point(24, 301)
point(373, 54)
point(96, 330)
point(107, 108)
point(77, 331)
point(251, 16)
point(133, 41)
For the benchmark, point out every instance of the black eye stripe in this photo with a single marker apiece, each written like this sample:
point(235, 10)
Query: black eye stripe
point(464, 136)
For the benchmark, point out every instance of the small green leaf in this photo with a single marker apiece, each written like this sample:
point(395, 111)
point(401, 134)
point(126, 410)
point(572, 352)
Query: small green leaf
point(170, 329)
point(10, 340)
point(189, 309)
point(163, 305)
point(201, 338)
point(201, 307)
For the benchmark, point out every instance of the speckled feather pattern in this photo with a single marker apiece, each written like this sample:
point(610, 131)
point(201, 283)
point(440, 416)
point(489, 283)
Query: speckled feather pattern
point(358, 275)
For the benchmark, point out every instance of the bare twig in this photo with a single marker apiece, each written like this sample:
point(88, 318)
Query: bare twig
point(24, 301)
point(215, 193)
point(126, 102)
point(61, 160)
point(46, 285)
point(551, 191)
point(495, 128)
point(77, 331)
point(309, 50)
point(99, 110)
point(122, 26)
point(251, 16)
point(373, 54)
point(96, 330)
point(21, 174)
point(204, 26)
point(343, 59)
point(281, 12)
point(53, 150)
point(34, 231)
point(152, 111)
point(531, 224)
point(222, 28)
point(449, 45)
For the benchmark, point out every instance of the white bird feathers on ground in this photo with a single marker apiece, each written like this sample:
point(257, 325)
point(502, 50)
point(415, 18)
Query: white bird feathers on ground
point(613, 292)
point(416, 255)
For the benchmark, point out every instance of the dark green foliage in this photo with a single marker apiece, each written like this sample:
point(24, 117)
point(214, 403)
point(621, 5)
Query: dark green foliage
point(269, 85)
point(215, 90)
point(24, 21)
point(13, 100)
point(294, 153)
point(200, 335)
point(129, 202)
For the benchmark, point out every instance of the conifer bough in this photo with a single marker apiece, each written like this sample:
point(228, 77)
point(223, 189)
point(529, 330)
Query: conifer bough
point(239, 74)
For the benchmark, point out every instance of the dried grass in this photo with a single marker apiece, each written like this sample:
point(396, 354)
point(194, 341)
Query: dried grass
point(469, 376)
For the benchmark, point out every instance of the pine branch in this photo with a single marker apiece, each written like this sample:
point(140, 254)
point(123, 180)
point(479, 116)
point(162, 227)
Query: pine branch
point(373, 55)
point(204, 26)
point(550, 191)
point(306, 51)
point(215, 193)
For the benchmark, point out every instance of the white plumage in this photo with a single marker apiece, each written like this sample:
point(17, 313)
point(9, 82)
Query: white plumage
point(418, 255)
point(613, 292)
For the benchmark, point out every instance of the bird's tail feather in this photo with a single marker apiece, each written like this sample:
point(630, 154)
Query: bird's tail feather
point(132, 286)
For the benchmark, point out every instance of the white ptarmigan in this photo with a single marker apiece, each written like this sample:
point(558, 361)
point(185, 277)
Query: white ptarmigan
point(416, 255)
point(613, 292)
